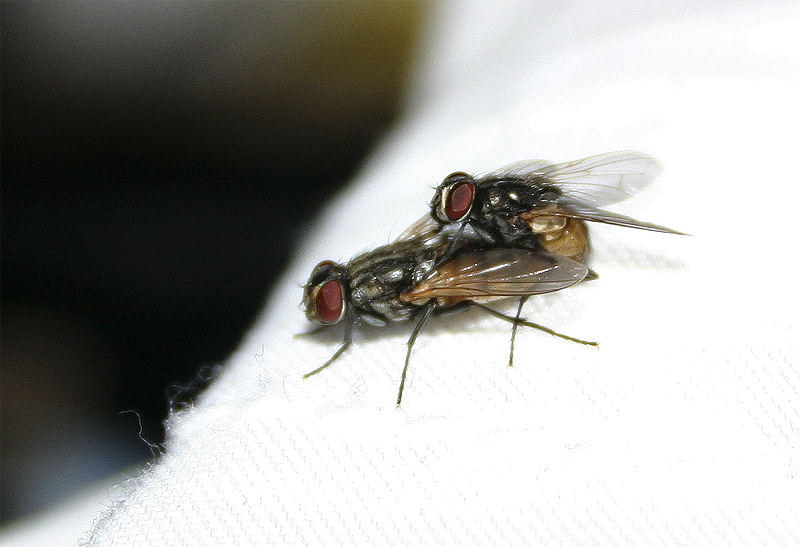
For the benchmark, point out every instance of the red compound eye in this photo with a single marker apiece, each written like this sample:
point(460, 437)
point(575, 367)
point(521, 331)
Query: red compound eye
point(329, 302)
point(459, 200)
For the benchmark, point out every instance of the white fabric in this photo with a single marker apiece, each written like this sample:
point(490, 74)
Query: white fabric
point(683, 427)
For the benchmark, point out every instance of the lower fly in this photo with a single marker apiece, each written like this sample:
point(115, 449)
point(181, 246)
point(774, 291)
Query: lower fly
point(412, 279)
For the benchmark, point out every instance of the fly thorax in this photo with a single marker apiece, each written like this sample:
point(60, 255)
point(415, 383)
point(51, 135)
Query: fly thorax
point(358, 296)
point(495, 198)
point(393, 276)
point(364, 288)
point(421, 271)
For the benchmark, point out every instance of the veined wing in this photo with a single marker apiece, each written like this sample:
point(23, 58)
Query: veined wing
point(496, 273)
point(594, 181)
point(425, 226)
point(566, 208)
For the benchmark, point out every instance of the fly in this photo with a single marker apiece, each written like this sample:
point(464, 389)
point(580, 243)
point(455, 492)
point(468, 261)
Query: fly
point(411, 279)
point(540, 205)
point(516, 232)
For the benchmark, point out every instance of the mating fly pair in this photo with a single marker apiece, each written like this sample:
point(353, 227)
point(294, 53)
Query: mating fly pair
point(513, 233)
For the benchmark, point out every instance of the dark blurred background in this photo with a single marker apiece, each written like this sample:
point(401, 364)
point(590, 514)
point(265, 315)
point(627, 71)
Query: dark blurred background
point(158, 163)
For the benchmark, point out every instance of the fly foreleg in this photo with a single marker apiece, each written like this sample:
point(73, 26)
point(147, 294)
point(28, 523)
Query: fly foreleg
point(348, 339)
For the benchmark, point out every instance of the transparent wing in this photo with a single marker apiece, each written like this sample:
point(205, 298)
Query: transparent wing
point(424, 226)
point(522, 169)
point(497, 273)
point(595, 181)
point(577, 210)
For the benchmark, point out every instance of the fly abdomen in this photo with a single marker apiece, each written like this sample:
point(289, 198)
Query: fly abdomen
point(571, 240)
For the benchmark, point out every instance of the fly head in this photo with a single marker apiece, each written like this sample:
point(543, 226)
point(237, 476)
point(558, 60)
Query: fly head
point(325, 295)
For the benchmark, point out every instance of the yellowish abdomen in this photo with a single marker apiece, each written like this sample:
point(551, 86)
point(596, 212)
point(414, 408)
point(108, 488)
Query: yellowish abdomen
point(569, 238)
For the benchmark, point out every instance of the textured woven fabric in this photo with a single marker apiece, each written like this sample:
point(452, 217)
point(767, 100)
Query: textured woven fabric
point(683, 427)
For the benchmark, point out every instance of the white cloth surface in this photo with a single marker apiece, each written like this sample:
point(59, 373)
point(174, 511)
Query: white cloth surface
point(683, 427)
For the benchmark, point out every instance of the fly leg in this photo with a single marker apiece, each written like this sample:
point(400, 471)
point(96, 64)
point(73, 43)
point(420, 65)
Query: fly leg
point(424, 317)
point(514, 330)
point(524, 323)
point(591, 275)
point(451, 246)
point(348, 339)
point(454, 245)
point(312, 332)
